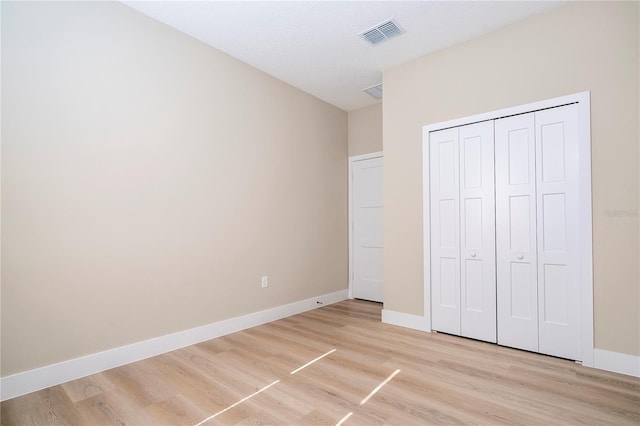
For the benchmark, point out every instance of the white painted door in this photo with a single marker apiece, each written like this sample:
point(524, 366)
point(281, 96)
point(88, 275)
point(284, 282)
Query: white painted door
point(558, 231)
point(445, 230)
point(463, 228)
point(477, 232)
point(516, 249)
point(367, 228)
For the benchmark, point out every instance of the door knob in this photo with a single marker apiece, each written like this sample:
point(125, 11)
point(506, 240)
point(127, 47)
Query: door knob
point(520, 256)
point(473, 255)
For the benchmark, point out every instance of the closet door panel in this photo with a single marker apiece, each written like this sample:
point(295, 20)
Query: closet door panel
point(558, 231)
point(516, 254)
point(445, 230)
point(477, 231)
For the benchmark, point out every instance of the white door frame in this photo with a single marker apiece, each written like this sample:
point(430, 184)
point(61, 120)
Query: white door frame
point(585, 208)
point(352, 160)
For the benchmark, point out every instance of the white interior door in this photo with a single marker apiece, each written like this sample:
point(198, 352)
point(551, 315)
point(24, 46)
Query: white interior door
point(477, 232)
point(445, 230)
point(367, 228)
point(516, 251)
point(558, 231)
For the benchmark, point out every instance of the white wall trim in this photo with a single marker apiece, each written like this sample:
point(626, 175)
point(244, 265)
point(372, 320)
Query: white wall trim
point(581, 97)
point(55, 374)
point(586, 227)
point(617, 362)
point(416, 322)
point(352, 160)
point(426, 227)
point(586, 254)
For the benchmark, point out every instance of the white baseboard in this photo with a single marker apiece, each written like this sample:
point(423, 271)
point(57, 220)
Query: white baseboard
point(616, 362)
point(55, 374)
point(415, 322)
point(603, 360)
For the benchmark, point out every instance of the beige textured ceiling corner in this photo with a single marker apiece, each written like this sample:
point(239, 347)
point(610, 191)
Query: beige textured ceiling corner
point(315, 45)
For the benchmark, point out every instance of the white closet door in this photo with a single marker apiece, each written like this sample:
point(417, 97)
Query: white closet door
point(445, 241)
point(558, 231)
point(477, 232)
point(517, 288)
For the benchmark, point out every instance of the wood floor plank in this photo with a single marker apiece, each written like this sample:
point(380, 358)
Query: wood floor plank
point(110, 409)
point(87, 387)
point(53, 408)
point(177, 410)
point(246, 379)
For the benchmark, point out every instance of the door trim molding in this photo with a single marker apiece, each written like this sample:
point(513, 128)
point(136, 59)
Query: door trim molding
point(586, 253)
point(353, 159)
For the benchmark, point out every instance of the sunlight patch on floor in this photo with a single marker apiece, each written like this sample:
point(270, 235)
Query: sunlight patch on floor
point(373, 392)
point(312, 361)
point(267, 387)
point(238, 403)
point(344, 419)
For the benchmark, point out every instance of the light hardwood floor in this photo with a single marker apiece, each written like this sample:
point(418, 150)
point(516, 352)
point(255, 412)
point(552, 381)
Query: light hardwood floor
point(246, 378)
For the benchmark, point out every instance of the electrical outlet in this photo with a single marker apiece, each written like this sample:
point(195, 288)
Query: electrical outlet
point(265, 281)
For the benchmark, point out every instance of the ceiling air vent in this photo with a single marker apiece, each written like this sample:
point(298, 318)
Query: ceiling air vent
point(374, 91)
point(382, 32)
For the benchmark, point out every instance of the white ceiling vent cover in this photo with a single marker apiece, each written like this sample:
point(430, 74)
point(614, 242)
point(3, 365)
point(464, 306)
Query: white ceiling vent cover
point(382, 32)
point(374, 91)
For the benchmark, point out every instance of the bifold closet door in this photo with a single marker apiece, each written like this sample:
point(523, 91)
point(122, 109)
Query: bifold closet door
point(463, 229)
point(445, 230)
point(557, 178)
point(516, 249)
point(477, 232)
point(537, 233)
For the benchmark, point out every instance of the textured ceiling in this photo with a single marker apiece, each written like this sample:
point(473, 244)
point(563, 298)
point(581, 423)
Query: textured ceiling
point(315, 46)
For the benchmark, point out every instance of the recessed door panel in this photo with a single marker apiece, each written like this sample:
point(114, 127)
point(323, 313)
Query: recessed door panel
point(473, 223)
point(519, 155)
point(473, 283)
point(520, 235)
point(447, 157)
point(472, 167)
point(552, 151)
point(554, 223)
point(448, 283)
point(520, 289)
point(516, 232)
point(555, 295)
point(448, 229)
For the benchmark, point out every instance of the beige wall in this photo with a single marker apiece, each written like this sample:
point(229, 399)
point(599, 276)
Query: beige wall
point(365, 130)
point(580, 46)
point(149, 181)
